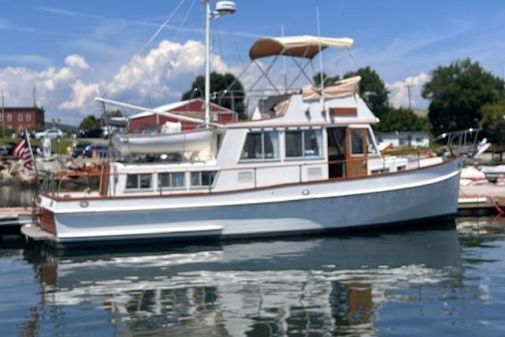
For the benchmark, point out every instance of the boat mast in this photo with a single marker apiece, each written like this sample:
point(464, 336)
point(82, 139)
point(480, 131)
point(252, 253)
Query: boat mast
point(207, 61)
point(222, 8)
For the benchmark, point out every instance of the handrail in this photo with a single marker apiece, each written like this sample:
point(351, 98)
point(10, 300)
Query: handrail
point(98, 171)
point(53, 184)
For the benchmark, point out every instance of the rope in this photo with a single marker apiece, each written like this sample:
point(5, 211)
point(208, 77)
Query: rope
point(497, 206)
point(170, 17)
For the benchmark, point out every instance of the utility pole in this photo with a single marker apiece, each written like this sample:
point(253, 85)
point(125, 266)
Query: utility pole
point(34, 96)
point(3, 115)
point(410, 98)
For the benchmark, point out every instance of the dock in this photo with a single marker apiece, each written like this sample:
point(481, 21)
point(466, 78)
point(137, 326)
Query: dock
point(482, 199)
point(12, 218)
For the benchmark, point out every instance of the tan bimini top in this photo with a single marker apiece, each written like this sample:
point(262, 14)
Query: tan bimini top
point(305, 46)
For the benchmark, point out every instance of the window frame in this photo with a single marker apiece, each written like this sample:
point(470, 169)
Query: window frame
point(303, 132)
point(262, 138)
point(364, 138)
point(139, 187)
point(200, 180)
point(171, 187)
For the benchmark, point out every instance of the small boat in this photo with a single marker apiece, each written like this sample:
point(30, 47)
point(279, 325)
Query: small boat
point(308, 162)
point(163, 143)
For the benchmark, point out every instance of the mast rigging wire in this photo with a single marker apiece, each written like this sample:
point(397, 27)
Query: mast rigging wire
point(170, 17)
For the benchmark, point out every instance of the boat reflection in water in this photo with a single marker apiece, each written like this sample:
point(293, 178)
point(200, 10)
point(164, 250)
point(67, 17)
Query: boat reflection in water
point(320, 286)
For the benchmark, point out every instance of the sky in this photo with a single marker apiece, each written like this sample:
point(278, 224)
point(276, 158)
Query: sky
point(72, 51)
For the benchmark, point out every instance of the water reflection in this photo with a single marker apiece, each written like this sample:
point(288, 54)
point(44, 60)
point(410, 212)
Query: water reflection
point(316, 287)
point(16, 195)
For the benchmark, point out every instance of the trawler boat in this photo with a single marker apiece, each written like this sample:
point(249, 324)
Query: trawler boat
point(307, 162)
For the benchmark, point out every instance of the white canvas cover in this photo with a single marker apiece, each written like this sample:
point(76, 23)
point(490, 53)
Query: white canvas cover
point(306, 46)
point(342, 88)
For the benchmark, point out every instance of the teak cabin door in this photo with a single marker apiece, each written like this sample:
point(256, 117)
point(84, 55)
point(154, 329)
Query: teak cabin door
point(356, 152)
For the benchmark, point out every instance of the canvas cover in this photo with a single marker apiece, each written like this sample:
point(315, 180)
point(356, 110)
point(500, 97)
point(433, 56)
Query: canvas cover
point(342, 88)
point(306, 46)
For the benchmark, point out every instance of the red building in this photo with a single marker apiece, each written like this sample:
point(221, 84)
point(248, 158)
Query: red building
point(191, 108)
point(19, 118)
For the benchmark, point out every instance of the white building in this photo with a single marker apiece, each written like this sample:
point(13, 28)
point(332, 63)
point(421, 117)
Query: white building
point(404, 139)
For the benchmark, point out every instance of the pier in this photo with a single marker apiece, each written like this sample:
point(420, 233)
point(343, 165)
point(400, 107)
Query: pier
point(12, 218)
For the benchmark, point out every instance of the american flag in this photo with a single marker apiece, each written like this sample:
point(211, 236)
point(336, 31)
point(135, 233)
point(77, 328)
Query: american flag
point(22, 152)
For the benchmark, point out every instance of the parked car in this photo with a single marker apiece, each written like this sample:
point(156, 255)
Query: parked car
point(23, 133)
point(4, 151)
point(77, 150)
point(112, 130)
point(100, 151)
point(50, 133)
point(90, 133)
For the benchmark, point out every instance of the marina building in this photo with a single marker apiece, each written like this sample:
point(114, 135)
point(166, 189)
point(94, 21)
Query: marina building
point(190, 108)
point(19, 118)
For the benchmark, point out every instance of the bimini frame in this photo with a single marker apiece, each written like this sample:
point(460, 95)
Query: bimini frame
point(304, 46)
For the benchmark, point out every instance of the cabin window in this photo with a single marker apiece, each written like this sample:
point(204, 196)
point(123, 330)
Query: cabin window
point(204, 178)
point(171, 180)
point(261, 145)
point(371, 146)
point(138, 181)
point(303, 143)
point(356, 141)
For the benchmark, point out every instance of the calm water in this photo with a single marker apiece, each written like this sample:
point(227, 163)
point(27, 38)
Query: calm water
point(444, 282)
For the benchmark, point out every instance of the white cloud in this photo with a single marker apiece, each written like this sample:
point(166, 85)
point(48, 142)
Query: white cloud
point(165, 71)
point(158, 77)
point(76, 62)
point(399, 95)
point(81, 96)
point(52, 84)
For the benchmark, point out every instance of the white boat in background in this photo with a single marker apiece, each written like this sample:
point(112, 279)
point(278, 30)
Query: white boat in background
point(307, 163)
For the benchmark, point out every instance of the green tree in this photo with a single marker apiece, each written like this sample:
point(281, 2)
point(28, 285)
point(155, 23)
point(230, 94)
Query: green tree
point(326, 79)
point(89, 122)
point(457, 92)
point(401, 119)
point(493, 122)
point(232, 99)
point(372, 89)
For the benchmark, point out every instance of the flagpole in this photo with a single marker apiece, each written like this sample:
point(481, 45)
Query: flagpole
point(31, 153)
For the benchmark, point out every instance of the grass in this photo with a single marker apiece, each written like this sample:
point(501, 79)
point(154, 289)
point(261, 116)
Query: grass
point(59, 147)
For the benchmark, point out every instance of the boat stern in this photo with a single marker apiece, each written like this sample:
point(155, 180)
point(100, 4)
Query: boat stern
point(44, 226)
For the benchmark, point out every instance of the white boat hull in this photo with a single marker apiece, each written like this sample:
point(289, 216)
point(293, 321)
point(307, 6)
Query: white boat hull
point(301, 208)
